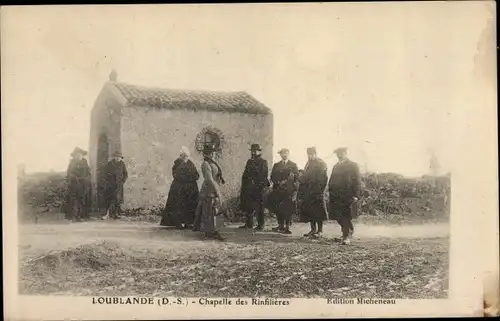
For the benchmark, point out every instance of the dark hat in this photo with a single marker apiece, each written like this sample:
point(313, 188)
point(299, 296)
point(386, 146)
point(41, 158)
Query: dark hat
point(209, 147)
point(340, 149)
point(311, 150)
point(283, 150)
point(78, 150)
point(255, 147)
point(117, 154)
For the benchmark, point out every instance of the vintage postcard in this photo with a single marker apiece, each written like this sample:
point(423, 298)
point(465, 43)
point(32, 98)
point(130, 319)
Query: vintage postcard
point(315, 160)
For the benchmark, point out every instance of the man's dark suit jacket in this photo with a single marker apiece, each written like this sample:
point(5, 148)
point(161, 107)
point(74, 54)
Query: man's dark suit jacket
point(285, 180)
point(288, 173)
point(253, 182)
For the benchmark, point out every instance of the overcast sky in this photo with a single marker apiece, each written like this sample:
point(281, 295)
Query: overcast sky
point(382, 79)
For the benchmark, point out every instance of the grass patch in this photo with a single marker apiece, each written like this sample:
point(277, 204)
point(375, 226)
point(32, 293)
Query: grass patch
point(375, 268)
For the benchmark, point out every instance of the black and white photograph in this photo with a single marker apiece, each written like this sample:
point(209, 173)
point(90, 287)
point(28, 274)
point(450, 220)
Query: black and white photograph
point(210, 156)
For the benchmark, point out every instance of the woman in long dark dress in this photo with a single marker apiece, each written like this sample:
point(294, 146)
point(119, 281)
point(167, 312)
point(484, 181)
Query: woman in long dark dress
point(182, 198)
point(208, 214)
point(78, 180)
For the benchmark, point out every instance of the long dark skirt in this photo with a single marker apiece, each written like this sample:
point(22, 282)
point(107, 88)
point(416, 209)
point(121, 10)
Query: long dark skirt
point(208, 220)
point(181, 204)
point(77, 201)
point(74, 208)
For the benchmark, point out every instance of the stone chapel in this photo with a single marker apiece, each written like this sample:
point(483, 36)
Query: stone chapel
point(150, 125)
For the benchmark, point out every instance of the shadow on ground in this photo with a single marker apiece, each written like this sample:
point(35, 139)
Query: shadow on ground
point(235, 235)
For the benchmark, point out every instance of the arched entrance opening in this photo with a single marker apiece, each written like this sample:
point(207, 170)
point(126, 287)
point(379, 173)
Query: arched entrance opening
point(102, 160)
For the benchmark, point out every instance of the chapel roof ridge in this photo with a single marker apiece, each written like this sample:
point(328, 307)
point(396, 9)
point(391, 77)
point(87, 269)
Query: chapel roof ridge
point(160, 88)
point(230, 101)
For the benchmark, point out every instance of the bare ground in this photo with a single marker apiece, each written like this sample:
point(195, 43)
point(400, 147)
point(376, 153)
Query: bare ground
point(139, 258)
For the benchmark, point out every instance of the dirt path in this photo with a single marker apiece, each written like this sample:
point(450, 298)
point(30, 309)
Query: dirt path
point(39, 238)
point(132, 258)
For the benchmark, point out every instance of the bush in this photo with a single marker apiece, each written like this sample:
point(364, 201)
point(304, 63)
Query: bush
point(395, 194)
point(41, 192)
point(382, 194)
point(385, 195)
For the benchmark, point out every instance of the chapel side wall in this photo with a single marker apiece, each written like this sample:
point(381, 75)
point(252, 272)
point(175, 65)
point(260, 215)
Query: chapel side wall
point(103, 121)
point(113, 127)
point(93, 153)
point(97, 123)
point(152, 138)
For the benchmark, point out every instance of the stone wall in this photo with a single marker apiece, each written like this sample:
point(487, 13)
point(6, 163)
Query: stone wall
point(151, 139)
point(105, 119)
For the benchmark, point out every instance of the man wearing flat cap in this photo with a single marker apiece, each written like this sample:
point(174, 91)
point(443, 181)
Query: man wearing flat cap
point(284, 177)
point(77, 205)
point(312, 193)
point(116, 176)
point(344, 189)
point(253, 184)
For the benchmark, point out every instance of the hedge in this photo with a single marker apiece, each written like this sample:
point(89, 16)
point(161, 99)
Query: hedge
point(382, 194)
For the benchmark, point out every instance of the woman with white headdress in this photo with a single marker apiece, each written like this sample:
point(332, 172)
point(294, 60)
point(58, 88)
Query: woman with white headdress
point(182, 198)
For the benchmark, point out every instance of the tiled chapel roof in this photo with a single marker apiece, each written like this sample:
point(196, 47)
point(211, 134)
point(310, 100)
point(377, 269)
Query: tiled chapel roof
point(239, 101)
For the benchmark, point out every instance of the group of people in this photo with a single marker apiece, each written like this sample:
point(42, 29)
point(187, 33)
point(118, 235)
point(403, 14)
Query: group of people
point(199, 210)
point(77, 205)
point(189, 208)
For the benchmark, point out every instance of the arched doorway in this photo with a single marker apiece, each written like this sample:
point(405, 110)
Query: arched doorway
point(102, 160)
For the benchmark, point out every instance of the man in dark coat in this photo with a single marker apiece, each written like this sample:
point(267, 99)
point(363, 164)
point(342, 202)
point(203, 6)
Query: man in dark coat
point(116, 176)
point(344, 190)
point(284, 176)
point(312, 191)
point(78, 180)
point(253, 184)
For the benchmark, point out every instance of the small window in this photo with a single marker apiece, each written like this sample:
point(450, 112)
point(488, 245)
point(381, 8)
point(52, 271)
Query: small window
point(208, 136)
point(211, 138)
